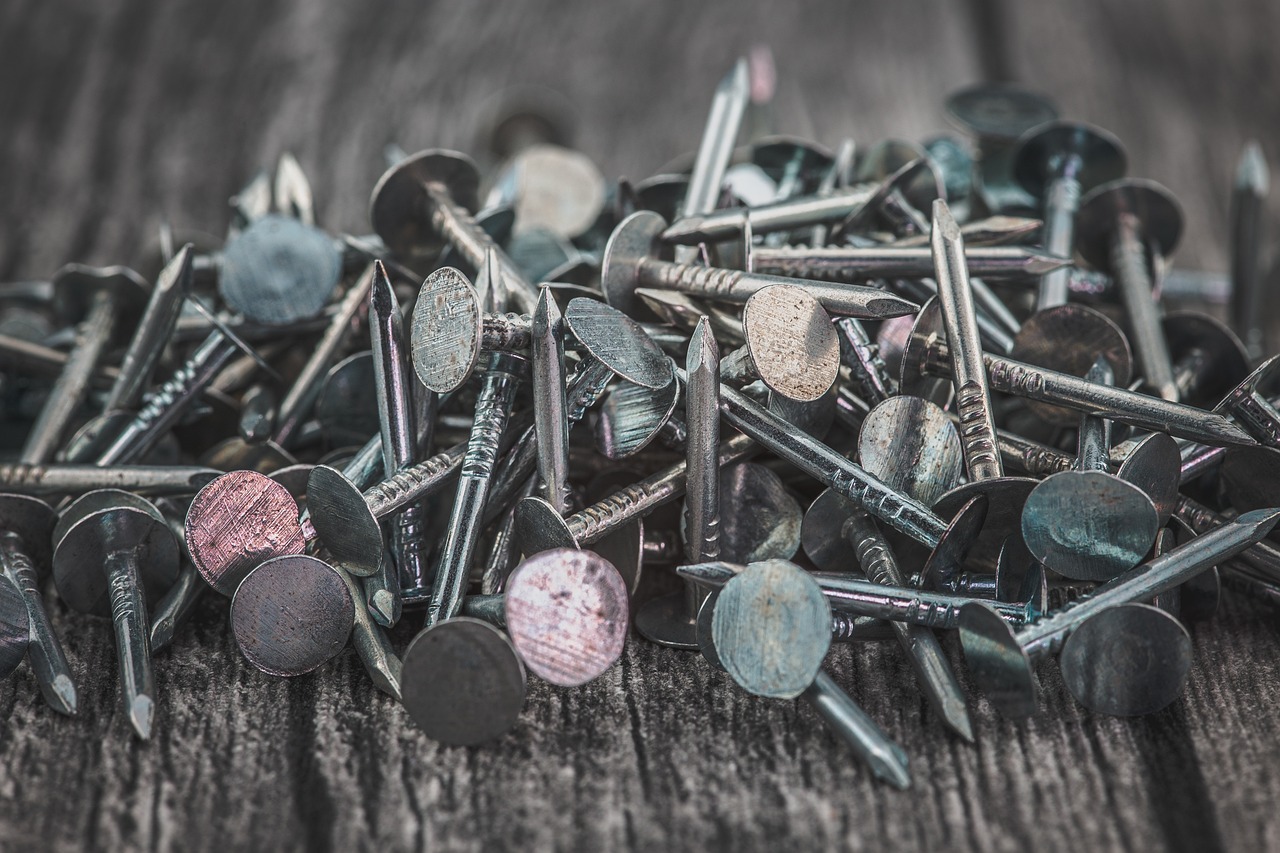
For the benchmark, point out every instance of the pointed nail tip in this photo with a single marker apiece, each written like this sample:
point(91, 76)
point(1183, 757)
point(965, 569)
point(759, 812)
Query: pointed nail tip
point(140, 716)
point(888, 307)
point(959, 722)
point(68, 699)
point(891, 771)
point(684, 230)
point(1252, 172)
point(1041, 264)
point(739, 77)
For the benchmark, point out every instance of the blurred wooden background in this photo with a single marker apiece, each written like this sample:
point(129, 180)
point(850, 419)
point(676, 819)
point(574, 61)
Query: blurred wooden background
point(117, 115)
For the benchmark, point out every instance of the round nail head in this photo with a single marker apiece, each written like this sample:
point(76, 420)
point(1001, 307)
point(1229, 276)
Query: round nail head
point(1069, 339)
point(99, 525)
point(236, 523)
point(634, 240)
point(912, 445)
point(632, 416)
point(821, 533)
point(948, 556)
point(792, 341)
point(447, 330)
point(1088, 525)
point(567, 615)
point(1154, 210)
point(996, 660)
point(619, 343)
point(1043, 149)
point(772, 629)
point(343, 522)
point(704, 628)
point(463, 683)
point(399, 208)
point(540, 528)
point(1006, 497)
point(32, 520)
point(76, 285)
point(279, 271)
point(759, 518)
point(292, 614)
point(1154, 465)
point(998, 110)
point(666, 620)
point(1126, 661)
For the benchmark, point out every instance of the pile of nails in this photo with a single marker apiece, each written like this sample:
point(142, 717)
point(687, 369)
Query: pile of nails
point(952, 353)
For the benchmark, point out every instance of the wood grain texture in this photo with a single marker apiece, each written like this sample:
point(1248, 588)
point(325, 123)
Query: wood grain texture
point(120, 114)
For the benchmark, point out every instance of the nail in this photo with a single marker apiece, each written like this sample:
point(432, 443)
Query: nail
point(772, 630)
point(152, 333)
point(114, 550)
point(15, 631)
point(26, 527)
point(550, 416)
point(102, 302)
point(399, 433)
point(1248, 208)
point(870, 378)
point(791, 345)
point(493, 407)
point(1129, 228)
point(997, 114)
point(293, 191)
point(973, 400)
point(932, 669)
point(856, 263)
point(635, 258)
point(450, 331)
point(1208, 359)
point(566, 612)
point(1056, 163)
point(425, 200)
point(718, 138)
point(1251, 408)
point(1001, 660)
point(927, 354)
point(711, 226)
point(146, 480)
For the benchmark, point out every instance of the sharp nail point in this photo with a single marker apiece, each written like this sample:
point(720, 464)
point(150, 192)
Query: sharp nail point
point(64, 692)
point(140, 716)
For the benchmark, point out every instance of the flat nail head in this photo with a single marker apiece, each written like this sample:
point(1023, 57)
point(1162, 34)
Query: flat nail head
point(567, 615)
point(997, 661)
point(462, 682)
point(447, 330)
point(1088, 525)
point(772, 629)
point(792, 342)
point(99, 523)
point(619, 342)
point(343, 522)
point(291, 615)
point(1126, 661)
point(236, 523)
point(397, 208)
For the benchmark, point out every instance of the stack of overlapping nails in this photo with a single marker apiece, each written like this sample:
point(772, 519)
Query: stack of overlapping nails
point(877, 335)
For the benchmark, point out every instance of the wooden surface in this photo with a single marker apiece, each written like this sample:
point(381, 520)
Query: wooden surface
point(117, 115)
